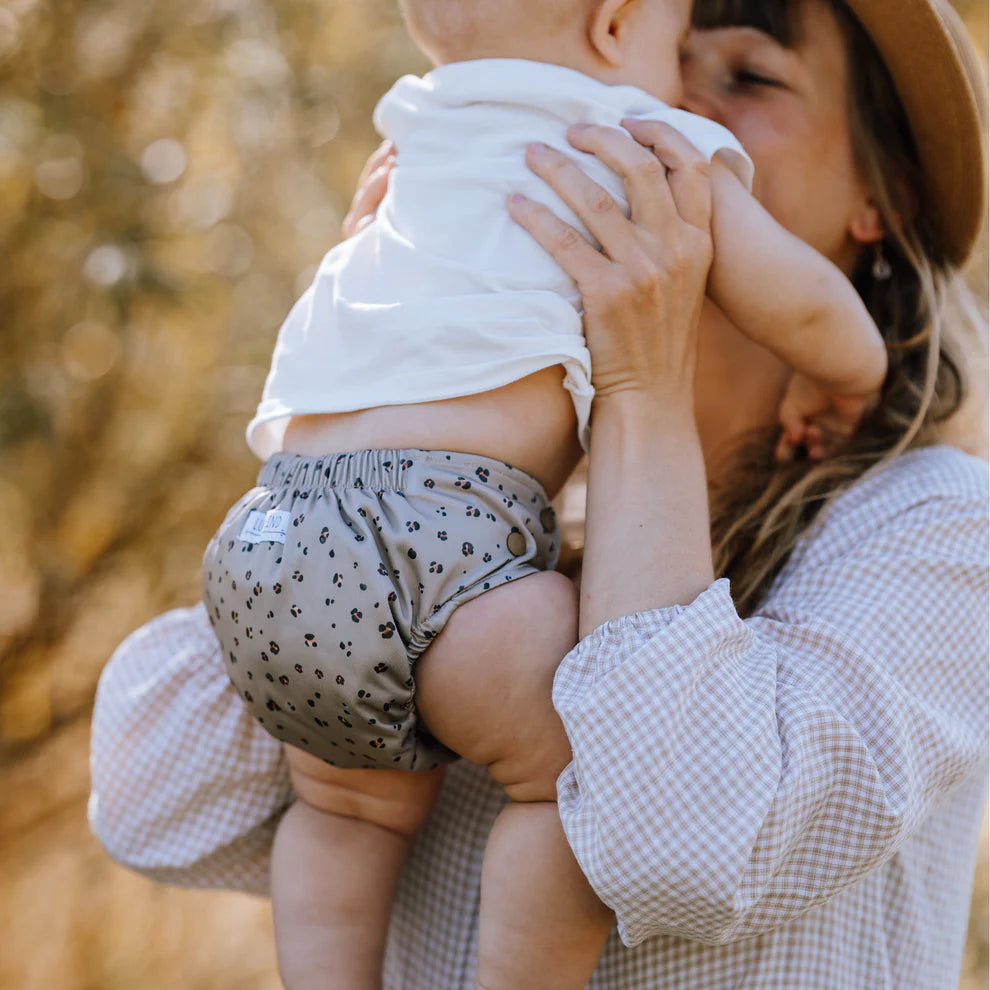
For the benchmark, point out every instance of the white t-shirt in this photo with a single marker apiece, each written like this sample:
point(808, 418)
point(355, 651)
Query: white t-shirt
point(443, 294)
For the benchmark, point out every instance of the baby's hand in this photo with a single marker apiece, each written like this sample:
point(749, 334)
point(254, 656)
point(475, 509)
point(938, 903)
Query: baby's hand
point(815, 419)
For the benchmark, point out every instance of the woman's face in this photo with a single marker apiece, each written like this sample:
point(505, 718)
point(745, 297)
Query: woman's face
point(789, 108)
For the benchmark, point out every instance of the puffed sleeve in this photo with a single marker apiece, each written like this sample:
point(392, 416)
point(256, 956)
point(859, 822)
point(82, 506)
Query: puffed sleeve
point(186, 787)
point(729, 775)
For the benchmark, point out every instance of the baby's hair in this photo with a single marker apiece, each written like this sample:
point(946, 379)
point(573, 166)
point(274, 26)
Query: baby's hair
point(451, 30)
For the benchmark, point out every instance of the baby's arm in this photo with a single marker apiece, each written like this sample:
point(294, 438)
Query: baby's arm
point(787, 297)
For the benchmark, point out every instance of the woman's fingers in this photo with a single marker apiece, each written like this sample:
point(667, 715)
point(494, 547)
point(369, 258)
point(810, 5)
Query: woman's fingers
point(593, 204)
point(371, 187)
point(688, 169)
point(381, 154)
point(644, 175)
point(565, 245)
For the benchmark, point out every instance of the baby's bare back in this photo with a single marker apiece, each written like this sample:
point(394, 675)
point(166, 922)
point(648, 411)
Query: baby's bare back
point(529, 424)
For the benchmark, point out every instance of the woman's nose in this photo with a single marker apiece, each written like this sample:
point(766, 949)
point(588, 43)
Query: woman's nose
point(700, 74)
point(695, 99)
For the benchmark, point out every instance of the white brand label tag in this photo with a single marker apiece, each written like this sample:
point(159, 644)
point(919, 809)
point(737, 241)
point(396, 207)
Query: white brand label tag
point(270, 526)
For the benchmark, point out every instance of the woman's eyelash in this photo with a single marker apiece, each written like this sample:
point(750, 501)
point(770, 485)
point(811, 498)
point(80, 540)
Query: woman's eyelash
point(747, 77)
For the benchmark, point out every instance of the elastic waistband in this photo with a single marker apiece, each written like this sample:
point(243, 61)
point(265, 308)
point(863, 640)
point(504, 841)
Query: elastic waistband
point(396, 470)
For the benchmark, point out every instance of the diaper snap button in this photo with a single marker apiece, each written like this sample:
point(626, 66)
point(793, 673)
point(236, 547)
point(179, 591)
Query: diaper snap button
point(516, 543)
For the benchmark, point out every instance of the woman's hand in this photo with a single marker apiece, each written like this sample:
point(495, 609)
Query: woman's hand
point(642, 291)
point(371, 186)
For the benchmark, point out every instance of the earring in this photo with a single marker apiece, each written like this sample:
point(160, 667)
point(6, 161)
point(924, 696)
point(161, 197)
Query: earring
point(882, 269)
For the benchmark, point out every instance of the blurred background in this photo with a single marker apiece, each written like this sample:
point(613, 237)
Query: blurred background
point(171, 173)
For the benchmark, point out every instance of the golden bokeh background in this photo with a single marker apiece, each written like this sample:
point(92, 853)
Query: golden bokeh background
point(171, 171)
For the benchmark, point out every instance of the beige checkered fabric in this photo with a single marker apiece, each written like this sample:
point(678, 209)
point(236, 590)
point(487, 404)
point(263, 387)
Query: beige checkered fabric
point(791, 801)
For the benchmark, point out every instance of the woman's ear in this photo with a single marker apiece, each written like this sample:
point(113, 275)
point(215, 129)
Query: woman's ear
point(605, 29)
point(866, 225)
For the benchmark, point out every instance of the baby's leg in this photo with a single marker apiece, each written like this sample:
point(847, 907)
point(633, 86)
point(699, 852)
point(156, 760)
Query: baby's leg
point(335, 864)
point(483, 689)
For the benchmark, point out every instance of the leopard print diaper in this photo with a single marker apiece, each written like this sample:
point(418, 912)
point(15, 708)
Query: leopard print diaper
point(327, 581)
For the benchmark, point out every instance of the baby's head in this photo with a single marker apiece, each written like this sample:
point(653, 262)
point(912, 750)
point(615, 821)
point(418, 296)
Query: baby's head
point(633, 42)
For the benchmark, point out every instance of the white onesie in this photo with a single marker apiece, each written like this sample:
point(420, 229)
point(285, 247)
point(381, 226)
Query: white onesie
point(443, 294)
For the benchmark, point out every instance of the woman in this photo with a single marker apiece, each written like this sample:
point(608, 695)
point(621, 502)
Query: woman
point(777, 787)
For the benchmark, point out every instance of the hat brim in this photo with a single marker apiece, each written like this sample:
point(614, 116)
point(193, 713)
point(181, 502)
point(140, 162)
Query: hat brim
point(940, 81)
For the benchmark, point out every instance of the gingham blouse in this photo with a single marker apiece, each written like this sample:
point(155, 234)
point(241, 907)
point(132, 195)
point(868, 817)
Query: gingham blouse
point(790, 801)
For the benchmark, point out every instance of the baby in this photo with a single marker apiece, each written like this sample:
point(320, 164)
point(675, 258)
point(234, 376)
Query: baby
point(385, 598)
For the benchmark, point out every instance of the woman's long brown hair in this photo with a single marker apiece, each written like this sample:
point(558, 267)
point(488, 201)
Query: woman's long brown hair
point(760, 509)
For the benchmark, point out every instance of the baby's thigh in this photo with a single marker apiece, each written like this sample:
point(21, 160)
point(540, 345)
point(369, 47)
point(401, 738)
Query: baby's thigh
point(483, 687)
point(399, 800)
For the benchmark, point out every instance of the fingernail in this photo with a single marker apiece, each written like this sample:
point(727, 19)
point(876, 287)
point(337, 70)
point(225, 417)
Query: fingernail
point(536, 148)
point(517, 199)
point(579, 127)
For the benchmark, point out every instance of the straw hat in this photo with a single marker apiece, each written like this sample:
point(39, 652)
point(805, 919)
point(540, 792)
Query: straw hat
point(940, 81)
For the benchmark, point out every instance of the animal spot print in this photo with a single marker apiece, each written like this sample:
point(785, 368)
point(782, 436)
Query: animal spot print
point(462, 483)
point(355, 615)
point(436, 568)
point(339, 679)
point(429, 483)
point(380, 668)
point(387, 629)
point(277, 588)
point(467, 549)
point(310, 639)
point(412, 525)
point(482, 473)
point(297, 576)
point(324, 533)
point(298, 668)
point(471, 512)
point(295, 611)
point(273, 646)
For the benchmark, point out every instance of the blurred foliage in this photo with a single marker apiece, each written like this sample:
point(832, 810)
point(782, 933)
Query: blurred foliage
point(170, 175)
